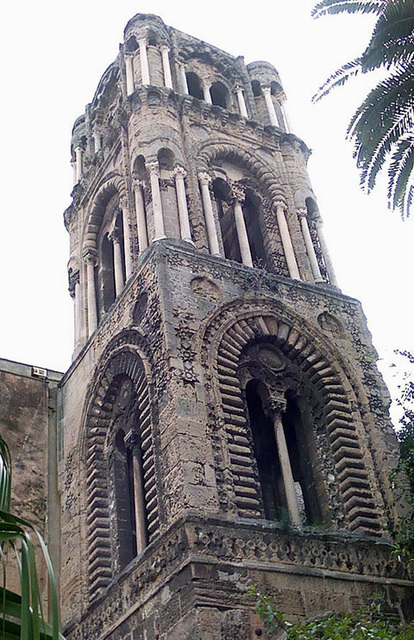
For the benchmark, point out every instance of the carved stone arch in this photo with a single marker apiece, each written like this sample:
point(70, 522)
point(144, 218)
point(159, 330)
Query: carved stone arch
point(353, 477)
point(111, 186)
point(124, 360)
point(212, 151)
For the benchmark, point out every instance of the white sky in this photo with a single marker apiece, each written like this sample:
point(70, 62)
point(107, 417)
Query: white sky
point(53, 55)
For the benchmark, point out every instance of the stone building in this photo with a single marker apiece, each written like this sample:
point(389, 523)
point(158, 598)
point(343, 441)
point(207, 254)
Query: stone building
point(223, 421)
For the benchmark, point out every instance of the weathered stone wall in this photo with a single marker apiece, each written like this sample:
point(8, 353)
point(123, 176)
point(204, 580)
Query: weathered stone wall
point(28, 406)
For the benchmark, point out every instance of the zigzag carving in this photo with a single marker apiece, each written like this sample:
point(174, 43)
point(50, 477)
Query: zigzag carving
point(125, 363)
point(360, 509)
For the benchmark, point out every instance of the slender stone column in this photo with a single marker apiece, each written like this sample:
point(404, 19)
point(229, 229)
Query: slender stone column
point(276, 406)
point(141, 216)
point(242, 236)
point(310, 249)
point(79, 163)
point(325, 253)
point(166, 66)
point(74, 172)
point(270, 106)
point(183, 79)
point(91, 262)
point(286, 241)
point(132, 442)
point(241, 101)
point(288, 126)
point(118, 270)
point(129, 71)
point(97, 141)
point(154, 173)
point(127, 238)
point(213, 243)
point(206, 93)
point(74, 290)
point(185, 232)
point(145, 74)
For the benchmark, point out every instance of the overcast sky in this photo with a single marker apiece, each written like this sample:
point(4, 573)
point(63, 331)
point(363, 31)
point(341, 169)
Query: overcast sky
point(53, 55)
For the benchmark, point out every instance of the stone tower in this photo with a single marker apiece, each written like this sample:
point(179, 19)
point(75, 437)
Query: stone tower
point(224, 421)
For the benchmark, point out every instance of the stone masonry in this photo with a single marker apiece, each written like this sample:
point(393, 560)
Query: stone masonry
point(224, 423)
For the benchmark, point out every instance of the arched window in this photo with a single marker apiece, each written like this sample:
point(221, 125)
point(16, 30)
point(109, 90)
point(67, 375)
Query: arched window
point(110, 275)
point(127, 478)
point(282, 441)
point(194, 85)
point(256, 88)
point(223, 197)
point(106, 277)
point(219, 95)
point(131, 44)
point(123, 483)
point(251, 210)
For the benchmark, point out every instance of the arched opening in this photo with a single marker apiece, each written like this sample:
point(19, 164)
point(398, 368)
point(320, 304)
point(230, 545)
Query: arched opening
point(123, 484)
point(139, 168)
point(194, 85)
point(111, 262)
point(276, 483)
point(219, 95)
point(106, 276)
point(152, 39)
point(131, 44)
point(222, 194)
point(251, 210)
point(166, 159)
point(312, 208)
point(265, 452)
point(256, 88)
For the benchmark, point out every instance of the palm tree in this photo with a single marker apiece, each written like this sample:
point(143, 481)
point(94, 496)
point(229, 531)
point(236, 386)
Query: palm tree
point(21, 615)
point(382, 128)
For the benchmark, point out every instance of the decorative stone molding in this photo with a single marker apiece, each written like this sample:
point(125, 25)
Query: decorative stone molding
point(360, 510)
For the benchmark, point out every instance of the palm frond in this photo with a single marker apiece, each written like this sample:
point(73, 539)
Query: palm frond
point(338, 78)
point(347, 6)
point(401, 176)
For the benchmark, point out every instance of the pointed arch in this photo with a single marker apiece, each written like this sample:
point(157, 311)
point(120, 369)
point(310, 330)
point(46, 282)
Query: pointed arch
point(337, 427)
point(212, 151)
point(112, 416)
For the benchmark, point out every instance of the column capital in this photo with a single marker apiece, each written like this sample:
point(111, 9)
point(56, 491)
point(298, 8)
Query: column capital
point(153, 167)
point(267, 89)
point(302, 212)
point(275, 406)
point(239, 192)
point(238, 88)
point(114, 236)
point(131, 439)
point(179, 171)
point(165, 47)
point(280, 204)
point(90, 256)
point(79, 148)
point(142, 42)
point(204, 178)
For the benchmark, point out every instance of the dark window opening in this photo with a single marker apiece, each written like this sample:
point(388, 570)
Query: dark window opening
point(194, 86)
point(222, 193)
point(131, 44)
point(251, 210)
point(275, 505)
point(256, 88)
point(267, 459)
point(219, 95)
point(124, 501)
point(107, 275)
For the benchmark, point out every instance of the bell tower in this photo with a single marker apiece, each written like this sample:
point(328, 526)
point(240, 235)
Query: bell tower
point(224, 423)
